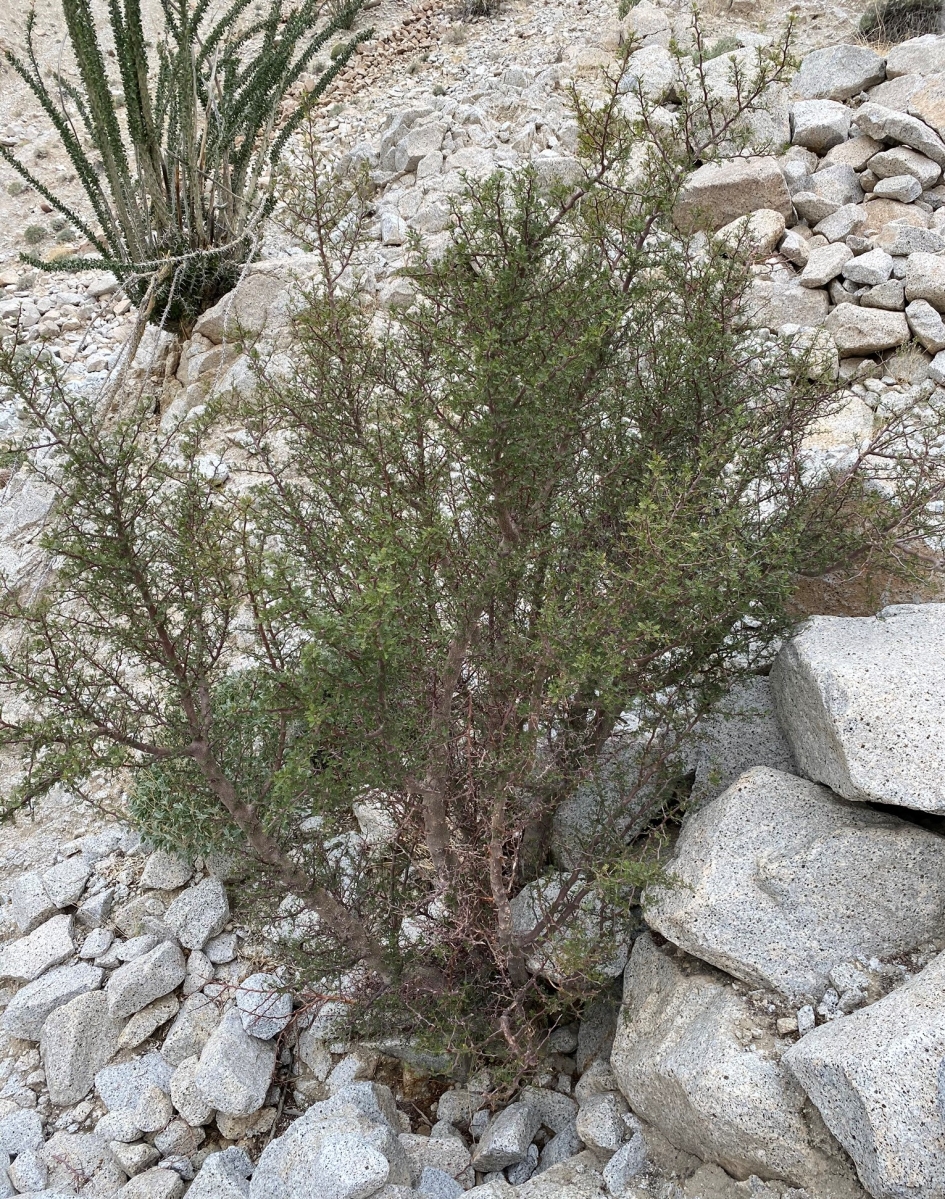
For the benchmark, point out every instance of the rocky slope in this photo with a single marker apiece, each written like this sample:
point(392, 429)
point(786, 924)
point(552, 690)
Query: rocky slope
point(781, 1031)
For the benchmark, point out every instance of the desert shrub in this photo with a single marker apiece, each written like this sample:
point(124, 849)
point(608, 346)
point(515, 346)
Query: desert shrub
point(34, 234)
point(551, 511)
point(177, 188)
point(897, 20)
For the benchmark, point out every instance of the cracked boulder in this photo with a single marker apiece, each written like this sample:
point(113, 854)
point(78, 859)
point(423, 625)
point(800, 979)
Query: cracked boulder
point(687, 1061)
point(778, 882)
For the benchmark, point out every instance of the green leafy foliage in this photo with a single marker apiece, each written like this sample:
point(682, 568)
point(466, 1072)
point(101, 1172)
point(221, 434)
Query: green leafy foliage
point(506, 545)
point(184, 178)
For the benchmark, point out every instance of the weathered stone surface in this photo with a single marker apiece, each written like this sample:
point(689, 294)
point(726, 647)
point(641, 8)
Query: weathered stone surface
point(165, 871)
point(235, 1069)
point(191, 1030)
point(900, 160)
point(927, 325)
point(122, 1086)
point(874, 1077)
point(600, 1123)
point(83, 1159)
point(506, 1138)
point(199, 913)
point(154, 1184)
point(719, 193)
point(77, 1040)
point(838, 73)
point(780, 882)
point(820, 124)
point(65, 883)
point(825, 263)
point(29, 957)
point(332, 1152)
point(838, 183)
point(30, 902)
point(890, 296)
point(925, 279)
point(441, 1153)
point(768, 305)
point(858, 331)
point(870, 269)
point(904, 188)
point(681, 1064)
point(903, 239)
point(264, 1004)
point(880, 212)
point(27, 1011)
point(861, 708)
point(849, 220)
point(885, 124)
point(918, 56)
point(245, 311)
point(856, 152)
point(145, 1023)
point(145, 979)
point(223, 1175)
point(743, 732)
point(21, 1131)
point(754, 236)
point(928, 103)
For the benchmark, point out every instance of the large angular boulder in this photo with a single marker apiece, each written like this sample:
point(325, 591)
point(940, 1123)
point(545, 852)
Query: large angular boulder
point(918, 56)
point(29, 957)
point(886, 124)
point(838, 73)
point(862, 702)
point(681, 1061)
point(859, 331)
point(718, 193)
point(876, 1078)
point(778, 882)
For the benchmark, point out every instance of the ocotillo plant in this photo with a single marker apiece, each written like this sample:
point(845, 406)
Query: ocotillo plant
point(183, 179)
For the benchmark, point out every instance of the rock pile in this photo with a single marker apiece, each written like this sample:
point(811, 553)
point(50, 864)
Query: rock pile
point(792, 981)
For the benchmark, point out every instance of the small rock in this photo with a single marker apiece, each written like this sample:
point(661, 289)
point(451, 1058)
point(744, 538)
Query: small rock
point(145, 979)
point(235, 1069)
point(154, 1184)
point(153, 1110)
point(29, 1172)
point(506, 1138)
point(21, 1132)
point(199, 913)
point(927, 325)
point(900, 160)
point(820, 124)
point(859, 331)
point(29, 957)
point(166, 872)
point(265, 1006)
point(30, 902)
point(223, 1176)
point(628, 1163)
point(903, 188)
point(133, 1158)
point(870, 269)
point(145, 1023)
point(825, 263)
point(66, 882)
point(187, 1096)
point(600, 1123)
point(121, 1086)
